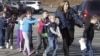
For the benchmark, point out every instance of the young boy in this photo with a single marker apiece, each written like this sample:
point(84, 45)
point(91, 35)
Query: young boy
point(53, 33)
point(43, 24)
point(2, 24)
point(86, 46)
point(27, 28)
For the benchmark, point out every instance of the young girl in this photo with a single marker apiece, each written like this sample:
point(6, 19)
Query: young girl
point(19, 32)
point(10, 29)
point(27, 26)
point(53, 33)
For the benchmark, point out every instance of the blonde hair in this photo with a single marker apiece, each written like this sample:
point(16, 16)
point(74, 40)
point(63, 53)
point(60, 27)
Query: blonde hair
point(50, 16)
point(95, 17)
point(61, 6)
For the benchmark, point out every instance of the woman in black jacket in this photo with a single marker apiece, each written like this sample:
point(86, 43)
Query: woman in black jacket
point(66, 14)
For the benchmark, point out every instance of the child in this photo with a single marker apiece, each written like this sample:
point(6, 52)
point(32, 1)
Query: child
point(27, 26)
point(53, 33)
point(43, 23)
point(88, 35)
point(10, 31)
point(2, 24)
point(19, 31)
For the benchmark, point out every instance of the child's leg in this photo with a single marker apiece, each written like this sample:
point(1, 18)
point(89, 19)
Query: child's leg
point(39, 41)
point(11, 39)
point(89, 48)
point(21, 40)
point(55, 47)
point(8, 35)
point(45, 42)
point(30, 40)
point(50, 45)
point(8, 38)
point(18, 39)
point(3, 32)
point(26, 44)
point(1, 37)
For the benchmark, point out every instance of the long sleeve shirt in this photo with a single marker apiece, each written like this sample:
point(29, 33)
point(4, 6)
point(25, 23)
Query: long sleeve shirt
point(53, 30)
point(27, 24)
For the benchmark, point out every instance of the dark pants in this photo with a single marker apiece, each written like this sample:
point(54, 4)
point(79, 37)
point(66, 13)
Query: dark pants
point(68, 37)
point(89, 35)
point(1, 38)
point(30, 40)
point(42, 40)
point(10, 36)
point(4, 35)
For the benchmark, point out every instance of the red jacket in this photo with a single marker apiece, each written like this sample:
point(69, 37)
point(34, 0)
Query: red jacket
point(41, 24)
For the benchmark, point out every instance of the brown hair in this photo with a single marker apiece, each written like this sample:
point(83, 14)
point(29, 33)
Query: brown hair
point(61, 6)
point(13, 17)
point(94, 17)
point(44, 11)
point(22, 17)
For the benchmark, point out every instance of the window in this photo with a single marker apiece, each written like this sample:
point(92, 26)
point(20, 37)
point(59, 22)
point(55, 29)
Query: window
point(39, 2)
point(30, 2)
point(95, 6)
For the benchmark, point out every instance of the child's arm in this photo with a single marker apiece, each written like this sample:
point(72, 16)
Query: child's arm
point(56, 33)
point(43, 24)
point(53, 31)
point(59, 33)
point(33, 21)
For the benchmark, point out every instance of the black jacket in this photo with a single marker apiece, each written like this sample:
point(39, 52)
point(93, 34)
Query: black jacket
point(68, 20)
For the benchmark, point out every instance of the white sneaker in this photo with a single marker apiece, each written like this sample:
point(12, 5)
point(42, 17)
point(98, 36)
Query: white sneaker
point(11, 47)
point(44, 54)
point(7, 45)
point(82, 43)
point(1, 47)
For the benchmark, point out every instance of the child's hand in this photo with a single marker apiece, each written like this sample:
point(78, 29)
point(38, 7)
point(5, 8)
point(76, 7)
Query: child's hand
point(60, 36)
point(93, 21)
point(47, 24)
point(39, 19)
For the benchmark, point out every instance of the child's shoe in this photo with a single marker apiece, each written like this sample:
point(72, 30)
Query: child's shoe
point(24, 53)
point(44, 54)
point(1, 47)
point(7, 45)
point(11, 47)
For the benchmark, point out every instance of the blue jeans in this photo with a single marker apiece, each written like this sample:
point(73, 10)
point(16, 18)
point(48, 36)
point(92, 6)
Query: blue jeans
point(1, 37)
point(89, 48)
point(52, 45)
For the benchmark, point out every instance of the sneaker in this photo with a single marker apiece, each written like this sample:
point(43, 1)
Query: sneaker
point(11, 47)
point(44, 54)
point(7, 45)
point(1, 47)
point(20, 50)
point(29, 53)
point(24, 53)
point(82, 44)
point(37, 52)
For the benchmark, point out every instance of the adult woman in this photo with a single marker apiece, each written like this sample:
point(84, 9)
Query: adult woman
point(66, 22)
